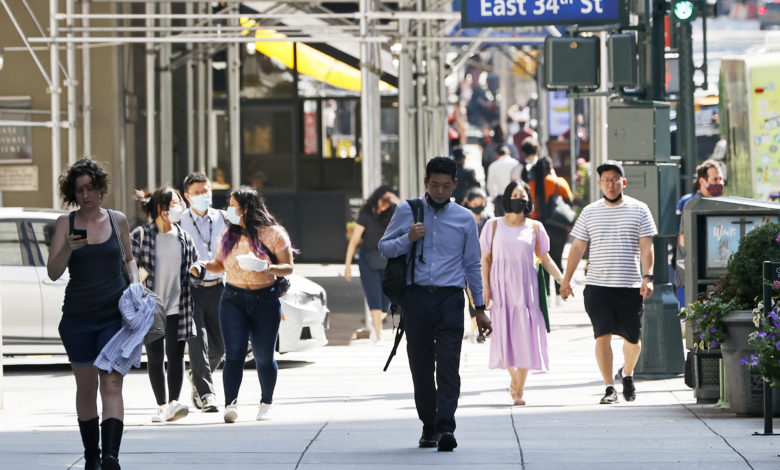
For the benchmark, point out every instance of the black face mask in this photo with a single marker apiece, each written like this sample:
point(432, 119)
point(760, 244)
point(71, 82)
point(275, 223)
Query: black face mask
point(476, 209)
point(436, 205)
point(618, 198)
point(518, 206)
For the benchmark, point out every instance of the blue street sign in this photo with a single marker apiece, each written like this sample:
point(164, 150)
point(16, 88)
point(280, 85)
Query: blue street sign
point(486, 13)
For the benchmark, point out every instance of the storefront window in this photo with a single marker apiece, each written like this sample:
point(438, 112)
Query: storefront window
point(267, 154)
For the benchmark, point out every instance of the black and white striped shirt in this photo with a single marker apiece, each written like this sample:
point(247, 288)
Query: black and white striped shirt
point(613, 233)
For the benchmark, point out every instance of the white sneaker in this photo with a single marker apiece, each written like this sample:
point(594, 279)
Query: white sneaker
point(379, 342)
point(176, 411)
point(160, 416)
point(209, 403)
point(264, 412)
point(231, 412)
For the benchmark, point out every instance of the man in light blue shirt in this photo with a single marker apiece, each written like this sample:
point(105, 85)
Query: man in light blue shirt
point(447, 260)
point(205, 225)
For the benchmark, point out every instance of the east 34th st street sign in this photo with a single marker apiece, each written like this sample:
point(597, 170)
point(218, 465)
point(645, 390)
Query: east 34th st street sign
point(486, 13)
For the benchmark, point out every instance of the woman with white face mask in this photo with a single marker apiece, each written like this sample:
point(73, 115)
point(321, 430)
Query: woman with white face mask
point(164, 252)
point(254, 253)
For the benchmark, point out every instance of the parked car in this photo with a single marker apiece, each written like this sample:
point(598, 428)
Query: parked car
point(768, 13)
point(32, 303)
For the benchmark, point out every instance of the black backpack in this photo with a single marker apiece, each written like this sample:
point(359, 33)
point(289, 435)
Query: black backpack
point(394, 278)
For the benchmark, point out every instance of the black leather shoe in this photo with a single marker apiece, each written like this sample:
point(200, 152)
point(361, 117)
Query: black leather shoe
point(427, 440)
point(447, 442)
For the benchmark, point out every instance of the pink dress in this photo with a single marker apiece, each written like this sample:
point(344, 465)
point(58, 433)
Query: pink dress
point(519, 337)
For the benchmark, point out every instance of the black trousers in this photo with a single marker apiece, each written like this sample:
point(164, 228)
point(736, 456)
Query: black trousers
point(206, 348)
point(433, 320)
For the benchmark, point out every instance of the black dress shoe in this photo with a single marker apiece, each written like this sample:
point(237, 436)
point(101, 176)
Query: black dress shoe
point(447, 442)
point(427, 440)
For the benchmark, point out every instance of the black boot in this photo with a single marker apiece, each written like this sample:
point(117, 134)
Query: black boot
point(90, 437)
point(112, 437)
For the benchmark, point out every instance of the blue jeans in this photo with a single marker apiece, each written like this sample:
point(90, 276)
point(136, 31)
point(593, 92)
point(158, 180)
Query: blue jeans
point(249, 315)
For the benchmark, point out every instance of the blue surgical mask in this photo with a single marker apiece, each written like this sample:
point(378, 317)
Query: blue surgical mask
point(232, 216)
point(201, 202)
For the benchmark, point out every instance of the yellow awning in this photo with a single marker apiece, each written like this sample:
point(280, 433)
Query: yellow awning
point(311, 62)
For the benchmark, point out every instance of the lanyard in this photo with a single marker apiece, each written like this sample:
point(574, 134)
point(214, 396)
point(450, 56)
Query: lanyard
point(207, 240)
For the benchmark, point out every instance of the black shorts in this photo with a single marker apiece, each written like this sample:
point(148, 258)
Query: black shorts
point(614, 310)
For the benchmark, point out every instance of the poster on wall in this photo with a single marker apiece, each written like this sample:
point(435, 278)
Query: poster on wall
point(723, 235)
point(765, 119)
point(15, 141)
point(559, 113)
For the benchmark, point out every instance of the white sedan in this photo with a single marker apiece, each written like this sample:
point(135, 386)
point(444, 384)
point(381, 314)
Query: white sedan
point(31, 303)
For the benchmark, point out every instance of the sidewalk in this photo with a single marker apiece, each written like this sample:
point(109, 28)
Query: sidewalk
point(334, 408)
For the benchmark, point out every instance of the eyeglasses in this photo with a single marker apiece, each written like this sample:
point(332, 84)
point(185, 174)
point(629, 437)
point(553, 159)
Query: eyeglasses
point(614, 181)
point(386, 200)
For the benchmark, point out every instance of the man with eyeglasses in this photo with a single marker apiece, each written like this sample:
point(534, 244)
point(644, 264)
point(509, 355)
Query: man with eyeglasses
point(620, 231)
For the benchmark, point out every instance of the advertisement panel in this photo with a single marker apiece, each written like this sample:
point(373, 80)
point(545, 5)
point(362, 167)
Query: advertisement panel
point(765, 125)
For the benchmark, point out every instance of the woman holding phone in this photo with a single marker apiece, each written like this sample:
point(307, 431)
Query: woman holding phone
point(87, 245)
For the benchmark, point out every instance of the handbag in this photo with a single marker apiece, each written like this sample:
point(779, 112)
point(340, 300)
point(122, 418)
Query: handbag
point(558, 213)
point(157, 330)
point(542, 284)
point(281, 284)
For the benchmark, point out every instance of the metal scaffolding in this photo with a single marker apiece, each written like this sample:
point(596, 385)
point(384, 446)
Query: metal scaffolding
point(418, 30)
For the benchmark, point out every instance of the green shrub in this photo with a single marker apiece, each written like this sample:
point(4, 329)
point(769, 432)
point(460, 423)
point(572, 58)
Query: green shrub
point(744, 274)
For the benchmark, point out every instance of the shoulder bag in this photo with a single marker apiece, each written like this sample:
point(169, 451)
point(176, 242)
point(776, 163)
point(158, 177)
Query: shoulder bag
point(282, 284)
point(540, 277)
point(557, 212)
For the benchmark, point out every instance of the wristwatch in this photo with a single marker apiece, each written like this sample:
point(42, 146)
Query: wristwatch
point(649, 277)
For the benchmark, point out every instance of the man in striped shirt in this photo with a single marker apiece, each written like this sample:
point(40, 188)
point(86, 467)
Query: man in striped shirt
point(620, 232)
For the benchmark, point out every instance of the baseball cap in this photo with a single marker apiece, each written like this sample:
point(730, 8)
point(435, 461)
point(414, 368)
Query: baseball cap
point(611, 165)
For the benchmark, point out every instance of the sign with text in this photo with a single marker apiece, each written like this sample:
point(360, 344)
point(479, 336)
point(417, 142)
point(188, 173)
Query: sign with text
point(15, 141)
point(19, 178)
point(486, 13)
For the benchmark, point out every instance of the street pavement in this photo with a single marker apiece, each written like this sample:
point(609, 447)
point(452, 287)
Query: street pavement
point(334, 408)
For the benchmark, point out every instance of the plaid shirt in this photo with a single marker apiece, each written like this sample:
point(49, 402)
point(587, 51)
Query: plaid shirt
point(143, 252)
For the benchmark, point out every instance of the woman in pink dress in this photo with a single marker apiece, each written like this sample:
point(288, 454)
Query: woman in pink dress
point(509, 260)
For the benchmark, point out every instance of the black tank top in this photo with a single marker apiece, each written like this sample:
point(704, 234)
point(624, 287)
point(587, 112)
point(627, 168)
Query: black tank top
point(96, 280)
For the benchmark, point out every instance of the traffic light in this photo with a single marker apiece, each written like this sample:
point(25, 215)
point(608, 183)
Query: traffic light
point(683, 10)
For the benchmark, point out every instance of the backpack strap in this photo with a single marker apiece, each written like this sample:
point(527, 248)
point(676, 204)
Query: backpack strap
point(71, 218)
point(416, 205)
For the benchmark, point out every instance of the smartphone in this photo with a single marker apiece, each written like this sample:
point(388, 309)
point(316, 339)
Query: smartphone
point(80, 232)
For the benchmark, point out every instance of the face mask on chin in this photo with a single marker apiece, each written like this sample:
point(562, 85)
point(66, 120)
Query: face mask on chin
point(436, 205)
point(618, 198)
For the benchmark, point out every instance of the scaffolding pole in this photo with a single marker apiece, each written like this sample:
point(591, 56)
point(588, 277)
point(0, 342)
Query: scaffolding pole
point(54, 91)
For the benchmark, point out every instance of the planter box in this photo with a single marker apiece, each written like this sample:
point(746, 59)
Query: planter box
point(745, 388)
point(706, 375)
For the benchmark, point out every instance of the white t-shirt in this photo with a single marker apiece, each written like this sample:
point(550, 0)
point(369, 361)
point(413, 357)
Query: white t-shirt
point(500, 175)
point(613, 233)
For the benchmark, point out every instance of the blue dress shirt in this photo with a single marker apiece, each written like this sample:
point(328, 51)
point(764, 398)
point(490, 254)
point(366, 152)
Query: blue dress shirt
point(450, 247)
point(206, 233)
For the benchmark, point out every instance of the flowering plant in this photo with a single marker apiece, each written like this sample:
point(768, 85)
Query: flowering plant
point(705, 318)
point(766, 343)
